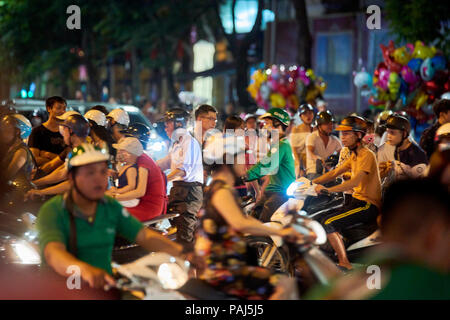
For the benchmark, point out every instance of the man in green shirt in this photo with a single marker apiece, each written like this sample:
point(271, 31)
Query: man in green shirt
point(79, 227)
point(279, 164)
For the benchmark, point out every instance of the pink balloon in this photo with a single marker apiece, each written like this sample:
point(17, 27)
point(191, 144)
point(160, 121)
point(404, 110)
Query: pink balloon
point(273, 85)
point(383, 79)
point(409, 76)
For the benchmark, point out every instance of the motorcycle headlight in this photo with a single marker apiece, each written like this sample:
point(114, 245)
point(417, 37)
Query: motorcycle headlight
point(18, 251)
point(294, 185)
point(172, 276)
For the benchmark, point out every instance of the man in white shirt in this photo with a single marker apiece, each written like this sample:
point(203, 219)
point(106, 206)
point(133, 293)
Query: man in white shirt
point(298, 137)
point(186, 172)
point(320, 145)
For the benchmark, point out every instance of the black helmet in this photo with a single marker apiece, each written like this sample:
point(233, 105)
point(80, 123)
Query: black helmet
point(398, 122)
point(78, 124)
point(139, 131)
point(178, 115)
point(383, 116)
point(305, 108)
point(324, 117)
point(353, 123)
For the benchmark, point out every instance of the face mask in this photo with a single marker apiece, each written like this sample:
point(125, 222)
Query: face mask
point(369, 138)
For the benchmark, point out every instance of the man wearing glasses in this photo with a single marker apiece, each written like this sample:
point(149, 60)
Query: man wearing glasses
point(205, 120)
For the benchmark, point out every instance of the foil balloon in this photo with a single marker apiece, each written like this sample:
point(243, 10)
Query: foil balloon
point(409, 76)
point(438, 62)
point(253, 90)
point(362, 80)
point(264, 90)
point(387, 57)
point(421, 51)
point(415, 64)
point(383, 79)
point(277, 100)
point(427, 70)
point(420, 99)
point(393, 85)
point(402, 56)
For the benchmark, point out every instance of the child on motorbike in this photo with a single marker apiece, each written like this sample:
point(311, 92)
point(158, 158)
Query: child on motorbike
point(133, 190)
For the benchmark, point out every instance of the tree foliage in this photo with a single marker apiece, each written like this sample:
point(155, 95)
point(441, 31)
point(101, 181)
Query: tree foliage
point(424, 20)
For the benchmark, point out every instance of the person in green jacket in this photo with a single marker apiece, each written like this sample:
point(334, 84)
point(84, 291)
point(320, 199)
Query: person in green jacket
point(278, 164)
point(413, 263)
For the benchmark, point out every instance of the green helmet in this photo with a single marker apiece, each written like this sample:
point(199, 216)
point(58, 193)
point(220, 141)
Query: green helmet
point(86, 154)
point(279, 114)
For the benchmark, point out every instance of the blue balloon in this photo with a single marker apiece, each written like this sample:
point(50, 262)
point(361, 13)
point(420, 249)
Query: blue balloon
point(415, 64)
point(438, 62)
point(403, 91)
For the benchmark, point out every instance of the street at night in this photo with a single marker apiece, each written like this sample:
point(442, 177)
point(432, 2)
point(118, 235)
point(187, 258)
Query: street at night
point(225, 150)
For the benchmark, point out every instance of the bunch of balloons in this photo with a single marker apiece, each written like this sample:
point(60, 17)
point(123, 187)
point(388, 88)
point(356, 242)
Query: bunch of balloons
point(411, 77)
point(285, 87)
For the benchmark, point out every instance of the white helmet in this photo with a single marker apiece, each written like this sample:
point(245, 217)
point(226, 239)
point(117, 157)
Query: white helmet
point(67, 114)
point(97, 116)
point(86, 154)
point(120, 116)
point(217, 146)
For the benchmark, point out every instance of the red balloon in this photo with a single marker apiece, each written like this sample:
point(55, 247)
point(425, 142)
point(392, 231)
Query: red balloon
point(283, 90)
point(291, 87)
point(431, 87)
point(447, 86)
point(374, 102)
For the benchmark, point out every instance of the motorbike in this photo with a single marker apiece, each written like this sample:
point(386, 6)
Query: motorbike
point(304, 260)
point(125, 251)
point(310, 261)
point(159, 276)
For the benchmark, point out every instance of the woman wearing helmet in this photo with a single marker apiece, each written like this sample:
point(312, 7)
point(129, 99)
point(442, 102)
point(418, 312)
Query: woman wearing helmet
point(79, 227)
point(141, 189)
point(321, 144)
point(365, 202)
point(278, 164)
point(298, 137)
point(220, 240)
point(399, 155)
point(99, 134)
point(118, 120)
point(17, 162)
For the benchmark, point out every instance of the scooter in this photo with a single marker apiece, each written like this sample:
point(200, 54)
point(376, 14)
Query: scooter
point(358, 238)
point(159, 276)
point(304, 260)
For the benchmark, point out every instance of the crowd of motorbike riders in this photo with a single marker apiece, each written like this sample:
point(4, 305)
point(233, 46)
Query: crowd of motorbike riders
point(100, 183)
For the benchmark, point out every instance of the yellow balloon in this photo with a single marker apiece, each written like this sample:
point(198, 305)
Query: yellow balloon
point(277, 100)
point(421, 98)
point(253, 90)
point(310, 73)
point(312, 94)
point(421, 51)
point(259, 77)
point(402, 56)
